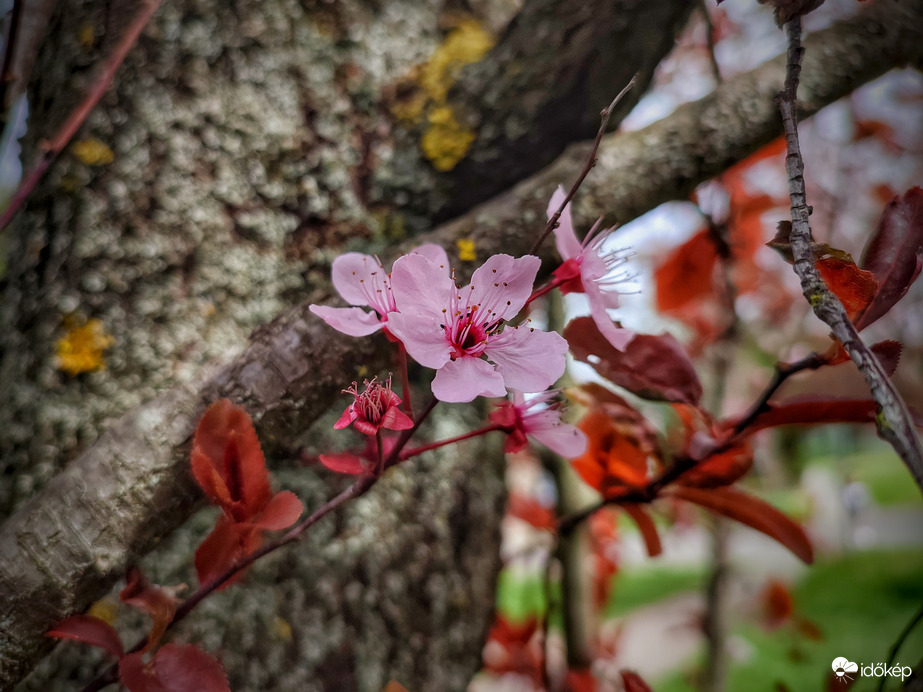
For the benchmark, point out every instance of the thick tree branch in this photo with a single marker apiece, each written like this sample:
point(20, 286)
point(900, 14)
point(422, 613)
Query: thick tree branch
point(893, 420)
point(69, 544)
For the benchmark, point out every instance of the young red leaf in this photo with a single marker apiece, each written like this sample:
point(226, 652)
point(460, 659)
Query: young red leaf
point(720, 469)
point(159, 603)
point(651, 366)
point(89, 630)
point(227, 543)
point(893, 254)
point(186, 668)
point(228, 463)
point(283, 510)
point(686, 276)
point(614, 459)
point(530, 511)
point(647, 528)
point(853, 286)
point(632, 682)
point(753, 512)
point(345, 463)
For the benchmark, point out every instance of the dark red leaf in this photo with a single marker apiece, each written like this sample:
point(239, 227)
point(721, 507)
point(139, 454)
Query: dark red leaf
point(810, 411)
point(647, 528)
point(228, 463)
point(139, 676)
point(888, 353)
point(228, 542)
point(753, 512)
point(186, 668)
point(344, 463)
point(687, 275)
point(651, 366)
point(778, 605)
point(89, 630)
point(283, 510)
point(159, 603)
point(720, 469)
point(853, 286)
point(579, 681)
point(893, 253)
point(632, 682)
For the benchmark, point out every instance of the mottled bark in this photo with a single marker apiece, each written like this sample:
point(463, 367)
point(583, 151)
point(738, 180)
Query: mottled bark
point(236, 249)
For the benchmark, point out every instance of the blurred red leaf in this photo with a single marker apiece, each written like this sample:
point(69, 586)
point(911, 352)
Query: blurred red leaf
point(531, 511)
point(581, 680)
point(175, 668)
point(853, 286)
point(646, 525)
point(778, 605)
point(632, 682)
point(89, 630)
point(514, 648)
point(720, 469)
point(395, 686)
point(613, 459)
point(159, 603)
point(687, 275)
point(893, 253)
point(652, 367)
point(186, 668)
point(344, 463)
point(228, 463)
point(806, 411)
point(753, 512)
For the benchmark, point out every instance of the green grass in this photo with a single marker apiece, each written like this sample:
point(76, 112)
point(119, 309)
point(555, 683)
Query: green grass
point(860, 602)
point(635, 588)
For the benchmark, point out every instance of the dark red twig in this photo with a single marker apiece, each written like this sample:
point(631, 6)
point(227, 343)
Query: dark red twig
point(54, 146)
point(591, 161)
point(893, 420)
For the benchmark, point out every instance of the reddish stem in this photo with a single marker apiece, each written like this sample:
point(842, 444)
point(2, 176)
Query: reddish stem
point(77, 117)
point(547, 288)
point(416, 451)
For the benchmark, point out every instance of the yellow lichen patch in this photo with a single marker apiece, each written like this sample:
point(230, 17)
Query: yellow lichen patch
point(81, 348)
point(466, 43)
point(466, 251)
point(281, 629)
point(92, 152)
point(104, 609)
point(446, 142)
point(410, 110)
point(86, 35)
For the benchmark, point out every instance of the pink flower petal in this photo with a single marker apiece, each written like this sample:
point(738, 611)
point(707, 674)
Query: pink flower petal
point(617, 336)
point(350, 321)
point(344, 463)
point(465, 379)
point(344, 421)
point(435, 254)
point(424, 340)
point(503, 284)
point(395, 419)
point(358, 278)
point(529, 361)
point(560, 438)
point(421, 287)
point(565, 239)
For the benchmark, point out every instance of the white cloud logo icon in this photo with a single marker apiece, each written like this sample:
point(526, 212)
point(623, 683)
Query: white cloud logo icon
point(842, 666)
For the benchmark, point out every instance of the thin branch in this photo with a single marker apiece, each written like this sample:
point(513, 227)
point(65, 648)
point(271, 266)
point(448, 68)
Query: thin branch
point(591, 161)
point(416, 451)
point(64, 135)
point(900, 642)
point(893, 420)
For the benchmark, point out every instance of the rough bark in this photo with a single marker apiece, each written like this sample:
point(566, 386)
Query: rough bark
point(635, 173)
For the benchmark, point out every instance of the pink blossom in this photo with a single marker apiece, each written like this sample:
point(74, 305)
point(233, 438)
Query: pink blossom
point(585, 270)
point(374, 408)
point(455, 329)
point(519, 420)
point(362, 281)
